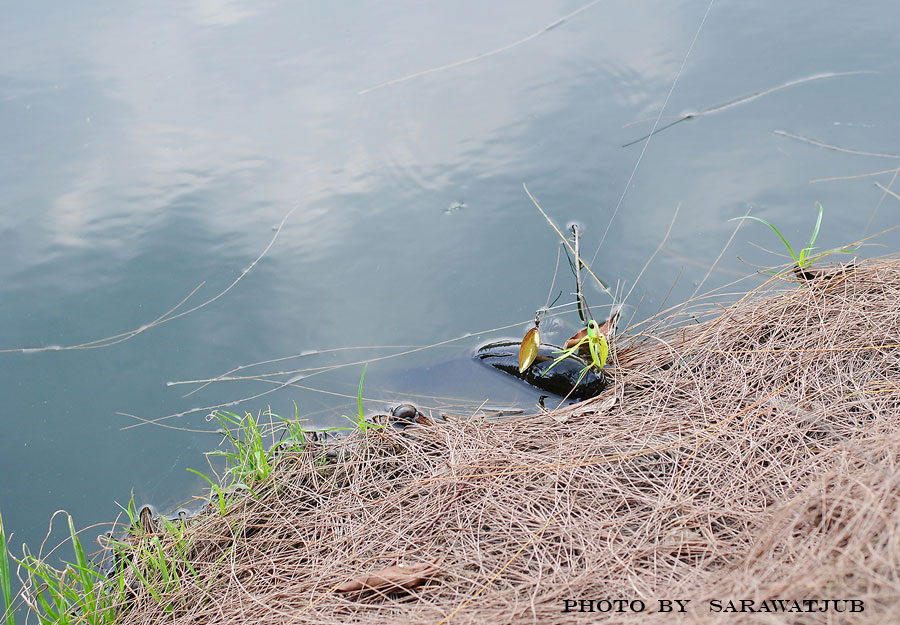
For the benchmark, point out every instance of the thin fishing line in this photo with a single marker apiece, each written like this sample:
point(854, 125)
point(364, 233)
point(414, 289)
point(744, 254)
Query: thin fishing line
point(652, 130)
point(553, 282)
point(314, 352)
point(653, 255)
point(227, 377)
point(316, 370)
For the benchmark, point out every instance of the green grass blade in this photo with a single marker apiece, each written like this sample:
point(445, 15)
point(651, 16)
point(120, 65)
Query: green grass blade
point(804, 253)
point(845, 250)
point(196, 472)
point(43, 582)
point(163, 564)
point(812, 239)
point(5, 578)
point(56, 587)
point(49, 611)
point(256, 451)
point(246, 487)
point(359, 419)
point(181, 546)
point(359, 393)
point(772, 226)
point(90, 594)
point(133, 515)
point(85, 574)
point(144, 582)
point(228, 417)
point(296, 436)
point(214, 488)
point(295, 429)
point(76, 543)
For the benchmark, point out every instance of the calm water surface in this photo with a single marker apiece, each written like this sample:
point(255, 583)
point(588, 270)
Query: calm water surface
point(147, 149)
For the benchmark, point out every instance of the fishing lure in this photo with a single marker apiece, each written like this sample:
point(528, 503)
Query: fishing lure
point(528, 350)
point(597, 344)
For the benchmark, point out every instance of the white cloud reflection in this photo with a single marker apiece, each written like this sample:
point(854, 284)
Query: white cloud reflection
point(222, 12)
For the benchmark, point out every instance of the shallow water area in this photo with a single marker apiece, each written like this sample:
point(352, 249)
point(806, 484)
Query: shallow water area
point(148, 149)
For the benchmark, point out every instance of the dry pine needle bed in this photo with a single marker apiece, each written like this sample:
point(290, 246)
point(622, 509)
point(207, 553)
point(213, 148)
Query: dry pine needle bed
point(750, 455)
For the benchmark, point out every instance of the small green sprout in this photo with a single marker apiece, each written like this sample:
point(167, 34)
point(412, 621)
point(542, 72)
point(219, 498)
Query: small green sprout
point(805, 258)
point(359, 419)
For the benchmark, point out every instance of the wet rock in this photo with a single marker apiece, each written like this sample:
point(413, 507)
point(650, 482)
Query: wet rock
point(405, 412)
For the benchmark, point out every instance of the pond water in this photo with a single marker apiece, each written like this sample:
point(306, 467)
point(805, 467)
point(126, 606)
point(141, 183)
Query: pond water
point(148, 149)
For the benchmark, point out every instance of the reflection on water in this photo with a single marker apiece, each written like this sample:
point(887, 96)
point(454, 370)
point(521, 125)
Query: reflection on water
point(150, 150)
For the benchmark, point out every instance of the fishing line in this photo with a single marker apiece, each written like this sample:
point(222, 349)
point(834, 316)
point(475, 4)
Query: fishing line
point(652, 130)
point(553, 282)
point(292, 382)
point(553, 310)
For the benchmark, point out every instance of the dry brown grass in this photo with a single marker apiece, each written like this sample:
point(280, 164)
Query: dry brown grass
point(752, 455)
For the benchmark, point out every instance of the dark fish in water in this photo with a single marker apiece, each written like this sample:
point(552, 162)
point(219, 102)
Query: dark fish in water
point(504, 355)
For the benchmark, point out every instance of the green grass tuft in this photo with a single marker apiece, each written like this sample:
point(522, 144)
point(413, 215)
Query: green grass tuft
point(250, 460)
point(359, 419)
point(805, 258)
point(78, 593)
point(159, 560)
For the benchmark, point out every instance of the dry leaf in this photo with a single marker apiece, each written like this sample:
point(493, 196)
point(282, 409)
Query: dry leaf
point(390, 578)
point(606, 403)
